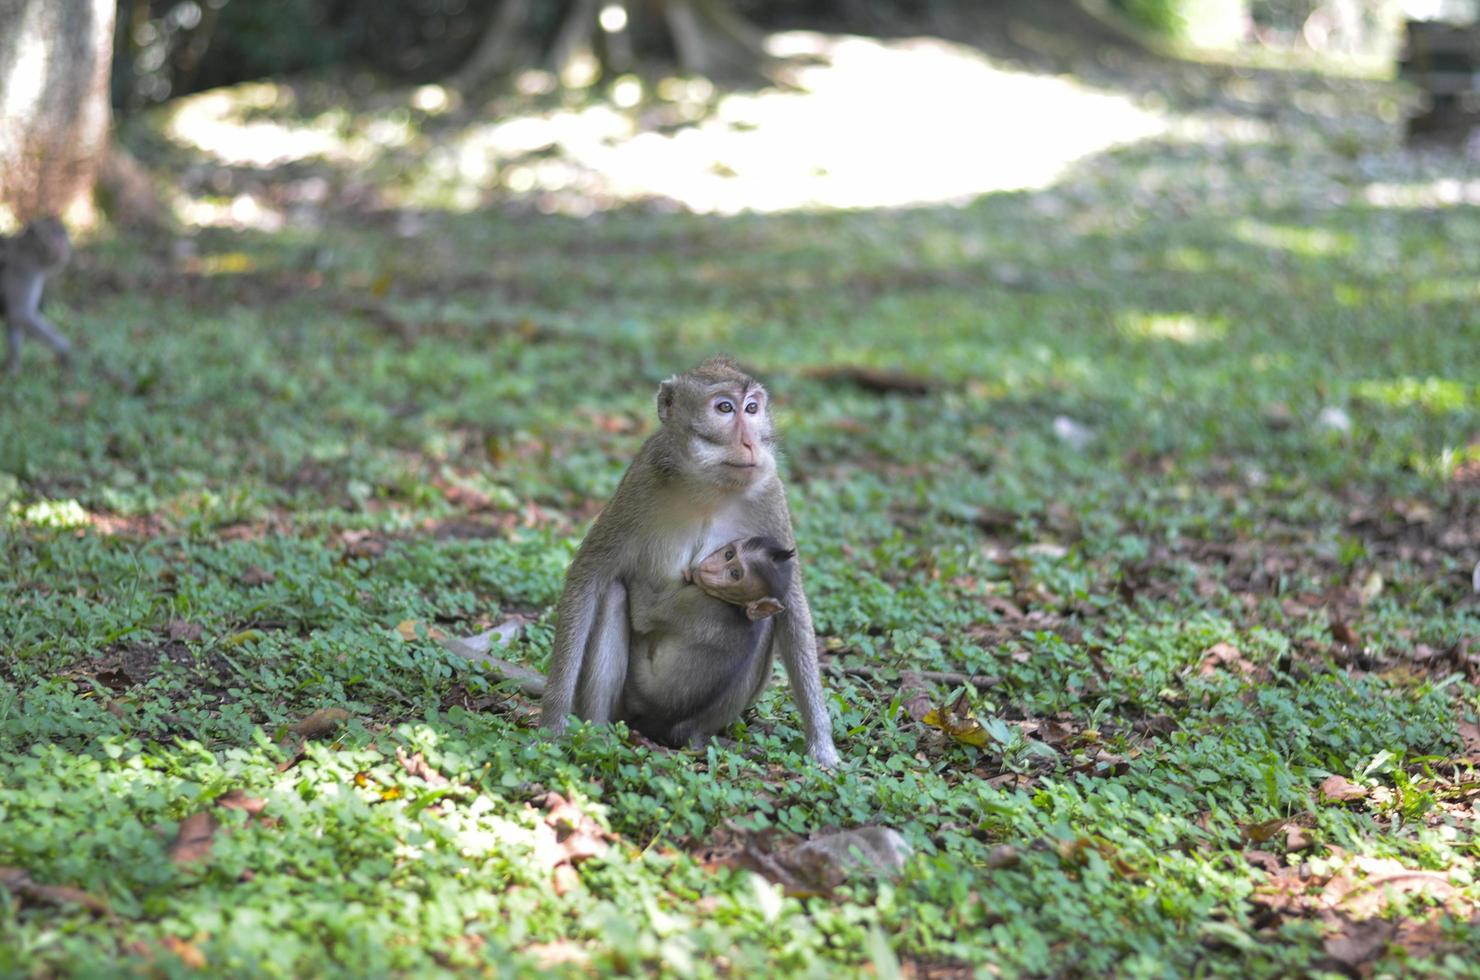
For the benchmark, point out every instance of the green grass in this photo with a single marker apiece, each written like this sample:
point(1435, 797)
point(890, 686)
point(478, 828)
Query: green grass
point(198, 560)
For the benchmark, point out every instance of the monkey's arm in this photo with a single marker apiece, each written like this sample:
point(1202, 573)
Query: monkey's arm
point(575, 616)
point(588, 664)
point(796, 643)
point(604, 669)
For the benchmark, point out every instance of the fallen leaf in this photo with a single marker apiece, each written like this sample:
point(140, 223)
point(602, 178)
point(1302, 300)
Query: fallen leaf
point(18, 882)
point(184, 631)
point(237, 799)
point(564, 879)
point(187, 951)
point(193, 841)
point(1469, 734)
point(1003, 856)
point(1381, 880)
point(1223, 656)
point(1357, 941)
point(1338, 789)
point(565, 836)
point(874, 379)
point(1264, 859)
point(957, 722)
point(257, 576)
point(579, 835)
point(1343, 634)
point(1296, 838)
point(914, 696)
point(1258, 833)
point(416, 765)
point(407, 630)
point(321, 722)
point(362, 544)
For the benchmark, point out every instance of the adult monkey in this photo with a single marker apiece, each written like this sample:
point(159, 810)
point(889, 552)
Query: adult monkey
point(41, 250)
point(634, 641)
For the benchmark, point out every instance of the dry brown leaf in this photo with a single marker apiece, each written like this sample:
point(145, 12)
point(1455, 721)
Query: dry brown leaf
point(406, 629)
point(1003, 856)
point(957, 722)
point(1224, 656)
point(18, 882)
point(875, 380)
point(1382, 879)
point(257, 576)
point(1297, 838)
point(416, 765)
point(914, 695)
point(1469, 733)
point(565, 836)
point(236, 799)
point(187, 951)
point(193, 841)
point(1264, 859)
point(1343, 634)
point(321, 722)
point(1258, 833)
point(564, 879)
point(184, 631)
point(362, 544)
point(1338, 789)
point(1354, 942)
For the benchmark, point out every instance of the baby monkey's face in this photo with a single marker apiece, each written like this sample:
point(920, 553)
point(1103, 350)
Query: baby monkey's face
point(749, 572)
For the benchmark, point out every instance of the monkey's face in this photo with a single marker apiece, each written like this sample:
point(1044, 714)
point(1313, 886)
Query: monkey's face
point(731, 434)
point(728, 574)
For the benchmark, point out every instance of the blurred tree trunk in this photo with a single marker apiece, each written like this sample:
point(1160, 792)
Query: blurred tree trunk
point(54, 112)
point(704, 37)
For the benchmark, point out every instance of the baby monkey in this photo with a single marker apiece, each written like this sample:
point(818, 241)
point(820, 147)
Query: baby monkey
point(747, 572)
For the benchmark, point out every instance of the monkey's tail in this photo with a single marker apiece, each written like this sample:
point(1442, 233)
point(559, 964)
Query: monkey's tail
point(530, 681)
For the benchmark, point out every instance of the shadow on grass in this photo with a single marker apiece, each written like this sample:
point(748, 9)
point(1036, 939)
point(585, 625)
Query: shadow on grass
point(1267, 364)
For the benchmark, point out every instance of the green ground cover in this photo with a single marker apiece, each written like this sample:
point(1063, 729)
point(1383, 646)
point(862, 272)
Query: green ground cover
point(1193, 487)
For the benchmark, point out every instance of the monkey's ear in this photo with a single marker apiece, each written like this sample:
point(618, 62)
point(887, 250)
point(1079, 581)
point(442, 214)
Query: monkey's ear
point(667, 391)
point(780, 555)
point(763, 608)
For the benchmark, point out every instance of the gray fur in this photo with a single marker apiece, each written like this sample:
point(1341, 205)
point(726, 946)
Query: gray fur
point(26, 261)
point(692, 664)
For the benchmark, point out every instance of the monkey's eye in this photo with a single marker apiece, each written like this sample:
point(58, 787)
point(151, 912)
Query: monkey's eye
point(729, 554)
point(724, 407)
point(752, 407)
point(736, 574)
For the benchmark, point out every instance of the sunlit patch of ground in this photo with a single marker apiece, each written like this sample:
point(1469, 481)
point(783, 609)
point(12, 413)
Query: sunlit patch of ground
point(858, 122)
point(872, 123)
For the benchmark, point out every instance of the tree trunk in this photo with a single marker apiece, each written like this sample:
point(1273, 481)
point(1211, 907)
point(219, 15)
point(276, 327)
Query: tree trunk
point(55, 57)
point(708, 37)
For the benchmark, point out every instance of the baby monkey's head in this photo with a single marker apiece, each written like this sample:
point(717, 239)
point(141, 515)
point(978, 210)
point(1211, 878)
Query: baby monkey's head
point(751, 572)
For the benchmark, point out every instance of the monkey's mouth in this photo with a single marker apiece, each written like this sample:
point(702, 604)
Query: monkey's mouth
point(740, 466)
